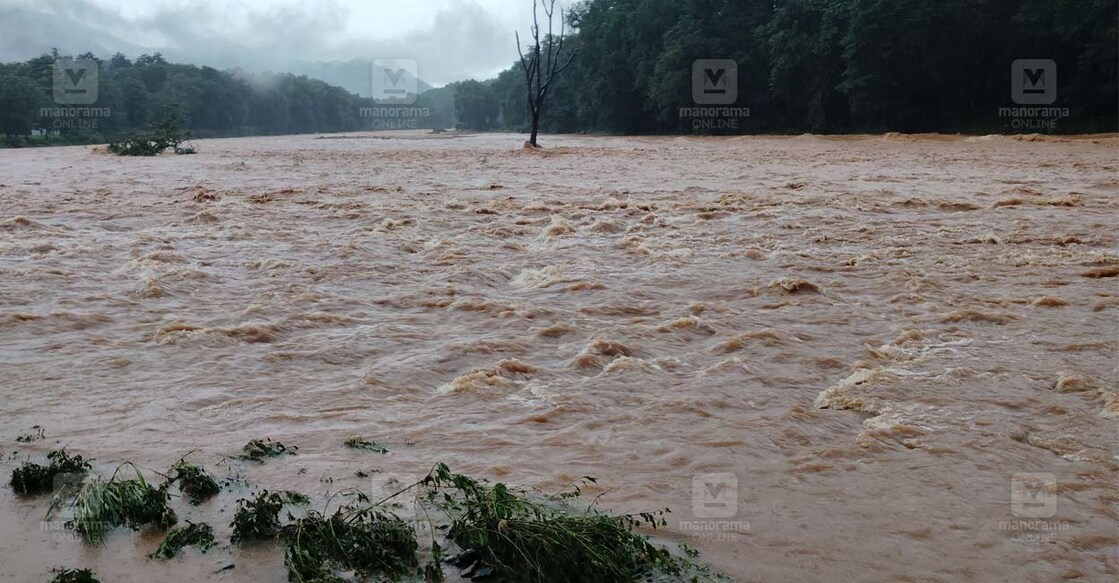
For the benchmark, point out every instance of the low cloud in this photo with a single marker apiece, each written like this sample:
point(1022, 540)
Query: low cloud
point(461, 39)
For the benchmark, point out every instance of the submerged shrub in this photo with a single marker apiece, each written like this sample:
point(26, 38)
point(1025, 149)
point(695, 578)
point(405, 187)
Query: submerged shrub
point(194, 481)
point(200, 535)
point(525, 540)
point(102, 506)
point(259, 449)
point(368, 541)
point(259, 518)
point(31, 478)
point(35, 436)
point(357, 442)
point(74, 576)
point(152, 143)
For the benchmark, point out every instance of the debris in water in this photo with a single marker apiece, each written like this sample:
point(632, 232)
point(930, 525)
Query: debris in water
point(194, 481)
point(200, 535)
point(259, 449)
point(32, 478)
point(101, 506)
point(74, 576)
point(259, 518)
point(357, 442)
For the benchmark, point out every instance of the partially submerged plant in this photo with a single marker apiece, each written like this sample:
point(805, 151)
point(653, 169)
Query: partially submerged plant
point(194, 481)
point(74, 576)
point(35, 436)
point(368, 541)
point(101, 506)
point(32, 478)
point(259, 518)
point(259, 449)
point(526, 540)
point(357, 442)
point(200, 535)
point(153, 142)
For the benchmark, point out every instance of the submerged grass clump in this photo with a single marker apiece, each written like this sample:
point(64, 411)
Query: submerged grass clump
point(525, 540)
point(367, 541)
point(74, 576)
point(194, 481)
point(259, 518)
point(101, 506)
point(200, 535)
point(259, 449)
point(357, 442)
point(32, 478)
point(36, 435)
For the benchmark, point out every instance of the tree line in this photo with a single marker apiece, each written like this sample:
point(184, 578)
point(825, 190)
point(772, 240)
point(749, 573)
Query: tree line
point(136, 95)
point(825, 66)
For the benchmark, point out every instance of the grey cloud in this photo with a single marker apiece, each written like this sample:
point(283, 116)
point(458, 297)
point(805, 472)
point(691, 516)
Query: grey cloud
point(465, 41)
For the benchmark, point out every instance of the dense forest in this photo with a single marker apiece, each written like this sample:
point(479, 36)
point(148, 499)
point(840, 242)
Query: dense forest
point(824, 66)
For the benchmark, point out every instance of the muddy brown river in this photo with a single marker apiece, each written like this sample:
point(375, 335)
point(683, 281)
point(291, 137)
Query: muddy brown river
point(880, 358)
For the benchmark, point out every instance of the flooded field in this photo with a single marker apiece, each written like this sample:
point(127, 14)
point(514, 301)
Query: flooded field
point(874, 344)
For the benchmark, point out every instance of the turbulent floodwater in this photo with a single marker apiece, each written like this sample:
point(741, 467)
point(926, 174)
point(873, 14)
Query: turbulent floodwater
point(873, 335)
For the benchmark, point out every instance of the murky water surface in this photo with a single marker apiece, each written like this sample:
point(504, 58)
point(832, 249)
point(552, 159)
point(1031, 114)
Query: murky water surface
point(873, 336)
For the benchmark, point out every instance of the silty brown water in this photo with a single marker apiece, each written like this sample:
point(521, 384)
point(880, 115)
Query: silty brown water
point(873, 336)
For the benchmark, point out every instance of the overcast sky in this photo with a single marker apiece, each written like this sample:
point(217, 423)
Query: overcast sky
point(449, 39)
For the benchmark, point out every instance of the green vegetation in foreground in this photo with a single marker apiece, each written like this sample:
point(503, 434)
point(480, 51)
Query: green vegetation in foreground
point(259, 449)
point(258, 518)
point(74, 576)
point(31, 478)
point(358, 442)
point(200, 535)
point(101, 506)
point(367, 541)
point(503, 533)
point(527, 540)
point(194, 481)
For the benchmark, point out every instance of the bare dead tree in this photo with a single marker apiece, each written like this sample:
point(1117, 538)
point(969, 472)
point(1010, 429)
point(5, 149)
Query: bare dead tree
point(542, 64)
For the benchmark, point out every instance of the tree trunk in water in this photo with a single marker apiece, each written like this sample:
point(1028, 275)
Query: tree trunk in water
point(535, 128)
